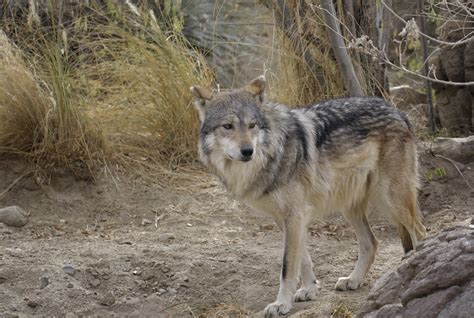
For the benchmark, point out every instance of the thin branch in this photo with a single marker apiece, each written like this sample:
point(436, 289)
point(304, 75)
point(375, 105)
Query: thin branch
point(426, 35)
point(15, 182)
point(426, 71)
point(455, 166)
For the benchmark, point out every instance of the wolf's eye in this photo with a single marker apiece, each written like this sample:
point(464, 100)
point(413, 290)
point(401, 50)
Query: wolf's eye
point(252, 125)
point(227, 126)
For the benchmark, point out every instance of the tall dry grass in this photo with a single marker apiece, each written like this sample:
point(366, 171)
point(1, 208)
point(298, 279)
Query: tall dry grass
point(293, 82)
point(39, 121)
point(145, 77)
point(110, 88)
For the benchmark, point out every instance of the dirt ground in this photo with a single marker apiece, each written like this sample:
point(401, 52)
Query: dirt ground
point(137, 250)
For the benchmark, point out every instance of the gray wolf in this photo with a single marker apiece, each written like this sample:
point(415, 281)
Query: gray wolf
point(350, 155)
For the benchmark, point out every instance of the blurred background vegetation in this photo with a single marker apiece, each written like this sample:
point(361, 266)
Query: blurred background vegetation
point(102, 86)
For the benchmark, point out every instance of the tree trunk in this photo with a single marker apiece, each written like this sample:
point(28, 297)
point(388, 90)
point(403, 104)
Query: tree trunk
point(339, 48)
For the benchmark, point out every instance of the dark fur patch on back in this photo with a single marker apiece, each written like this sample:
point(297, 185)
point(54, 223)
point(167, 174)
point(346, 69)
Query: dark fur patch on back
point(302, 136)
point(358, 116)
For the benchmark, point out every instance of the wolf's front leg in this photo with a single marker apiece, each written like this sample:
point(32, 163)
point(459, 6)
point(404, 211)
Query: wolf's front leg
point(293, 231)
point(309, 284)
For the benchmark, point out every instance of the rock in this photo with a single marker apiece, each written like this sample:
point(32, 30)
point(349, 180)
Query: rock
point(68, 269)
point(148, 275)
point(453, 62)
point(458, 149)
point(70, 285)
point(44, 281)
point(32, 303)
point(437, 280)
point(172, 291)
point(161, 291)
point(13, 216)
point(469, 64)
point(108, 299)
point(94, 282)
point(405, 94)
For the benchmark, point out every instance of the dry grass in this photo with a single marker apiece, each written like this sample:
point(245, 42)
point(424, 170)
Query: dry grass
point(294, 83)
point(225, 311)
point(107, 89)
point(145, 106)
point(39, 119)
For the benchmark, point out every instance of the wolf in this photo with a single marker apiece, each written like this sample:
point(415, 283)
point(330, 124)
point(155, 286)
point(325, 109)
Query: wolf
point(349, 155)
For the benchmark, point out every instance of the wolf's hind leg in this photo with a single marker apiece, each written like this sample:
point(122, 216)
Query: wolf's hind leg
point(367, 248)
point(309, 284)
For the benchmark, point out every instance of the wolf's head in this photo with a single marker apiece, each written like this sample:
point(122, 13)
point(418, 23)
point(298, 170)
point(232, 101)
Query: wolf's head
point(231, 122)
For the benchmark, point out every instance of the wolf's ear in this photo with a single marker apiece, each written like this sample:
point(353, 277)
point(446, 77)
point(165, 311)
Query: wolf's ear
point(257, 87)
point(202, 95)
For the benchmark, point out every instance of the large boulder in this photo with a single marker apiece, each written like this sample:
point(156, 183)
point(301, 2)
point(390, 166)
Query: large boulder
point(435, 281)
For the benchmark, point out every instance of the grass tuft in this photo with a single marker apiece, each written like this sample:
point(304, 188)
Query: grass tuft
point(39, 119)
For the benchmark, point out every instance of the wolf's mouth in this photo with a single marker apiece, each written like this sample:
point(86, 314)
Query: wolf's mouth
point(243, 159)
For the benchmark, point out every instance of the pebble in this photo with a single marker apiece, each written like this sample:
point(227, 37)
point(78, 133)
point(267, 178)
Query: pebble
point(44, 281)
point(125, 243)
point(166, 237)
point(147, 275)
point(95, 282)
point(108, 299)
point(161, 291)
point(172, 291)
point(13, 216)
point(70, 285)
point(32, 303)
point(68, 269)
point(146, 222)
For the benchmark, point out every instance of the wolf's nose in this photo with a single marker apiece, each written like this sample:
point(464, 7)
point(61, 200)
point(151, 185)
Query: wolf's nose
point(246, 151)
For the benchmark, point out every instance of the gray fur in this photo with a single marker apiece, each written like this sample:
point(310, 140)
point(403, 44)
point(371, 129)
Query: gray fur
point(347, 155)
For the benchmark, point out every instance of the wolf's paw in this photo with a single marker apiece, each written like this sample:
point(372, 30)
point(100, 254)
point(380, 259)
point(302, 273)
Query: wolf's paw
point(346, 283)
point(307, 293)
point(277, 309)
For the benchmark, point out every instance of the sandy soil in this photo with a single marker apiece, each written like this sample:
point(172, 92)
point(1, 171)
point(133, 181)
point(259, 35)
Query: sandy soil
point(142, 251)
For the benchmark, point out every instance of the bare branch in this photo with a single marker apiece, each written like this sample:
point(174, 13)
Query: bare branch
point(466, 39)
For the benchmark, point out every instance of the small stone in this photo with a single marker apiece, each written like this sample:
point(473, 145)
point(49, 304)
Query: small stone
point(13, 216)
point(62, 221)
point(32, 303)
point(95, 282)
point(172, 291)
point(146, 222)
point(108, 299)
point(125, 243)
point(68, 269)
point(137, 271)
point(147, 275)
point(166, 237)
point(161, 291)
point(70, 285)
point(44, 281)
point(189, 224)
